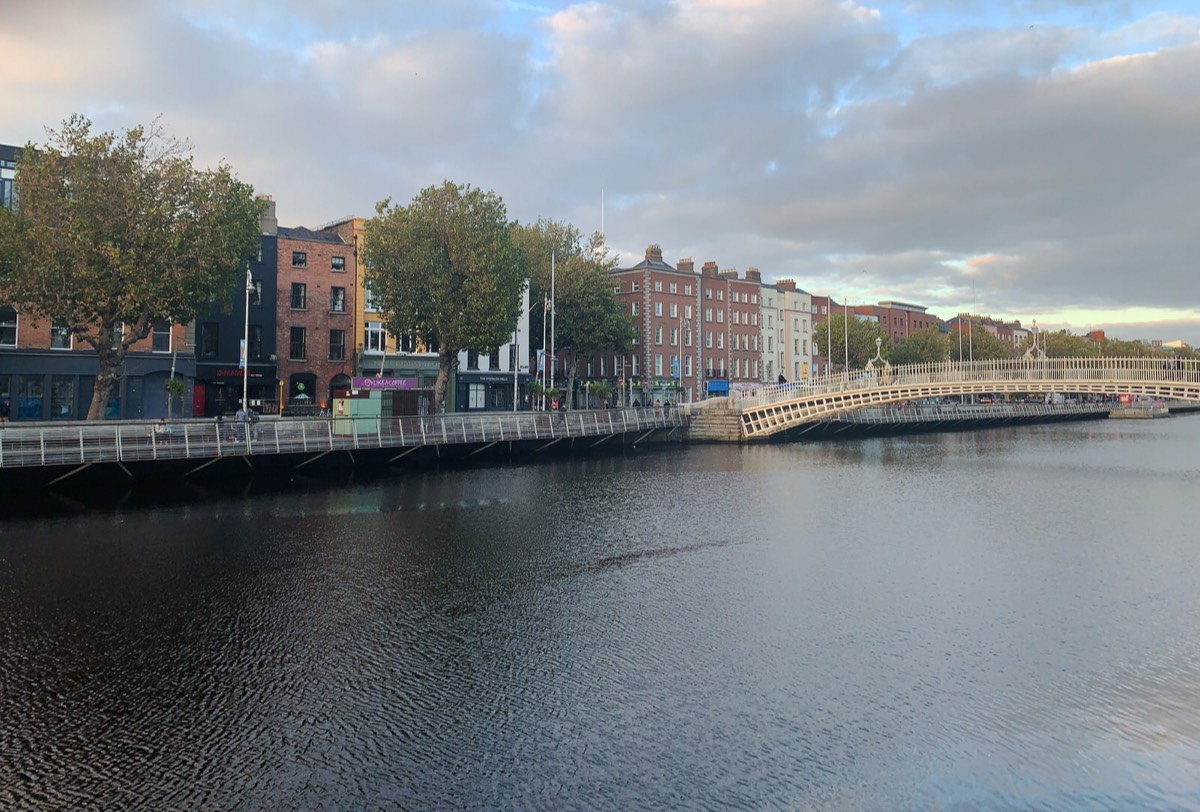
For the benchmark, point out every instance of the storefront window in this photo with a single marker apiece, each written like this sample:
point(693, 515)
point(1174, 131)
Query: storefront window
point(30, 390)
point(476, 394)
point(62, 397)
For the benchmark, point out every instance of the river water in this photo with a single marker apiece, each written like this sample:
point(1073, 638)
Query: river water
point(1004, 619)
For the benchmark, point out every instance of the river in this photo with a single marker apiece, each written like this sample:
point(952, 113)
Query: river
point(1002, 619)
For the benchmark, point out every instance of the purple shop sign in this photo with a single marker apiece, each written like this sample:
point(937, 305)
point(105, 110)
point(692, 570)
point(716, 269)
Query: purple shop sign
point(383, 383)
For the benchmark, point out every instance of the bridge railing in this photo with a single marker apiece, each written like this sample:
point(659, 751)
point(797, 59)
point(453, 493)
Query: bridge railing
point(39, 444)
point(1140, 370)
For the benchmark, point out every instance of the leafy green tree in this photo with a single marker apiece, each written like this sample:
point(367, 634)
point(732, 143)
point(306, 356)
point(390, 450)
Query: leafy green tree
point(588, 317)
point(979, 345)
point(445, 268)
point(925, 346)
point(115, 233)
point(862, 333)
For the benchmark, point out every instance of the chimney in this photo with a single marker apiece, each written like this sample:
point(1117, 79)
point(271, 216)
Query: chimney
point(728, 274)
point(686, 264)
point(654, 252)
point(709, 269)
point(267, 222)
point(752, 275)
point(787, 284)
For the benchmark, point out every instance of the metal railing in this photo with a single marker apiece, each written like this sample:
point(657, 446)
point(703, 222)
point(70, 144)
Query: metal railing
point(1181, 378)
point(44, 444)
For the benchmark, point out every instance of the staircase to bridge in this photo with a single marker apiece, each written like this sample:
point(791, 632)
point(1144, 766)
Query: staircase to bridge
point(757, 414)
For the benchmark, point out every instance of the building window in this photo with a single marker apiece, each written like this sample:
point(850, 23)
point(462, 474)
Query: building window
point(708, 339)
point(209, 338)
point(299, 296)
point(369, 299)
point(637, 286)
point(374, 337)
point(673, 288)
point(476, 396)
point(337, 345)
point(8, 327)
point(338, 264)
point(687, 367)
point(658, 308)
point(674, 310)
point(720, 317)
point(658, 286)
point(160, 337)
point(30, 390)
point(687, 312)
point(687, 290)
point(616, 290)
point(299, 259)
point(708, 293)
point(658, 336)
point(60, 336)
point(337, 300)
point(298, 344)
point(62, 397)
point(254, 344)
point(658, 367)
point(636, 309)
point(720, 341)
point(674, 336)
point(494, 359)
point(687, 337)
point(633, 364)
point(472, 359)
point(256, 293)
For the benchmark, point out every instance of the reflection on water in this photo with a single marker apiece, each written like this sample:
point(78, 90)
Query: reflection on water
point(991, 620)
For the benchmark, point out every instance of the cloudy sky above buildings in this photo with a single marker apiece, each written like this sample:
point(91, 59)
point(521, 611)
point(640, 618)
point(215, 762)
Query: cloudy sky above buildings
point(1027, 159)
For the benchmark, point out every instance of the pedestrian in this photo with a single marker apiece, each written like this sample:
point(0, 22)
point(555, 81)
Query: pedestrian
point(254, 422)
point(239, 419)
point(162, 431)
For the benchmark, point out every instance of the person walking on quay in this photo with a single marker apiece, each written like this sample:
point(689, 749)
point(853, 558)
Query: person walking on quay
point(239, 420)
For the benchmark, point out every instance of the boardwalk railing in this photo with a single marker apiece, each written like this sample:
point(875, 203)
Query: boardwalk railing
point(44, 444)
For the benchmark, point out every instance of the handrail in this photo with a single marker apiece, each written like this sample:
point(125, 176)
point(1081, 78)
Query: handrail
point(44, 444)
point(1043, 370)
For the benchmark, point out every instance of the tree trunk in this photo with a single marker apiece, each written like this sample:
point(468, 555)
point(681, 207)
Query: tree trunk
point(106, 381)
point(446, 362)
point(572, 367)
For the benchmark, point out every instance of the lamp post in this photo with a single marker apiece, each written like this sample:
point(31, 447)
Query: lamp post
point(846, 338)
point(246, 342)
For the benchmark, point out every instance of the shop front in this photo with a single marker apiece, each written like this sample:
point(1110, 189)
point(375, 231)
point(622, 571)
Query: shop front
point(218, 390)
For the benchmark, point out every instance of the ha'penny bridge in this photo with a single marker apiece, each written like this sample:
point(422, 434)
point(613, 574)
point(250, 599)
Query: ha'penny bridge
point(764, 412)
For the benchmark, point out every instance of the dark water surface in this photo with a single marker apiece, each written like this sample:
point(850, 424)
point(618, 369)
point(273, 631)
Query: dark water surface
point(996, 620)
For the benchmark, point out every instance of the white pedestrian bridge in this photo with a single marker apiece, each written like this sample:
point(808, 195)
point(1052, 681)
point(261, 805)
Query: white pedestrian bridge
point(763, 411)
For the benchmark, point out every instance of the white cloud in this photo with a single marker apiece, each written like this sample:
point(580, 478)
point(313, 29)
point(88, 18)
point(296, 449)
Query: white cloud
point(811, 139)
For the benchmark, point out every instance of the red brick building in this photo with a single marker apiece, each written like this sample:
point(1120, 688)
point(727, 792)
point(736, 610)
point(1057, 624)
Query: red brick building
point(315, 329)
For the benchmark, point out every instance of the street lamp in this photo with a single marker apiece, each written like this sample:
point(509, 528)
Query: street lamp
point(246, 343)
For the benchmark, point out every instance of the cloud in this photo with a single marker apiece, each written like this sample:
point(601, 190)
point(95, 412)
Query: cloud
point(950, 150)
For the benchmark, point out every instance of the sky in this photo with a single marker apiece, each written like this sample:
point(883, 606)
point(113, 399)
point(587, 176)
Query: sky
point(1024, 159)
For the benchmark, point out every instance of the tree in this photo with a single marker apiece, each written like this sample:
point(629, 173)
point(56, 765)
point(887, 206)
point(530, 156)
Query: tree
point(445, 268)
point(979, 345)
point(589, 318)
point(925, 346)
point(115, 233)
point(862, 334)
